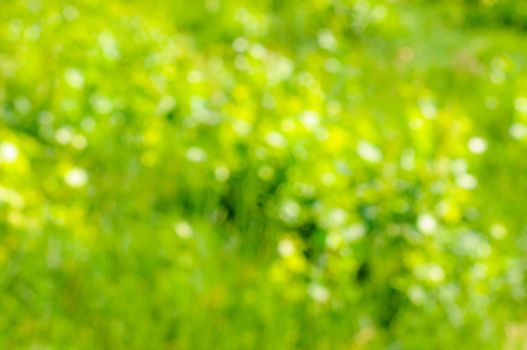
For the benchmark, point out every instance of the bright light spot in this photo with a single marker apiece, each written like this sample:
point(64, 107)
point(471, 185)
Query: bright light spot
point(498, 231)
point(417, 295)
point(70, 13)
point(102, 104)
point(379, 12)
point(428, 109)
point(45, 118)
point(108, 46)
point(415, 123)
point(79, 142)
point(74, 78)
point(520, 104)
point(334, 240)
point(76, 177)
point(33, 32)
point(64, 135)
point(479, 271)
point(426, 223)
point(183, 229)
point(242, 63)
point(497, 76)
point(310, 119)
point(334, 107)
point(484, 249)
point(307, 190)
point(22, 105)
point(332, 65)
point(435, 273)
point(196, 154)
point(11, 197)
point(518, 131)
point(288, 125)
point(337, 217)
point(289, 211)
point(88, 124)
point(268, 101)
point(408, 160)
point(15, 218)
point(327, 40)
point(8, 152)
point(194, 77)
point(354, 232)
point(213, 5)
point(222, 173)
point(286, 247)
point(328, 178)
point(467, 181)
point(322, 134)
point(240, 44)
point(318, 293)
point(276, 139)
point(459, 166)
point(241, 127)
point(258, 51)
point(166, 104)
point(477, 145)
point(306, 79)
point(369, 152)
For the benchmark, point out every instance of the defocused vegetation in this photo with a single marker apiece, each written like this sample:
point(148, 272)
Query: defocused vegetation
point(324, 174)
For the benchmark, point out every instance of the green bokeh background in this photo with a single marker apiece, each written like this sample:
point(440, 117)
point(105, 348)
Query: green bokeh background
point(322, 174)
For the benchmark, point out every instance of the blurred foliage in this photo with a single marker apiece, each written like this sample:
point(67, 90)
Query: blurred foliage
point(324, 174)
